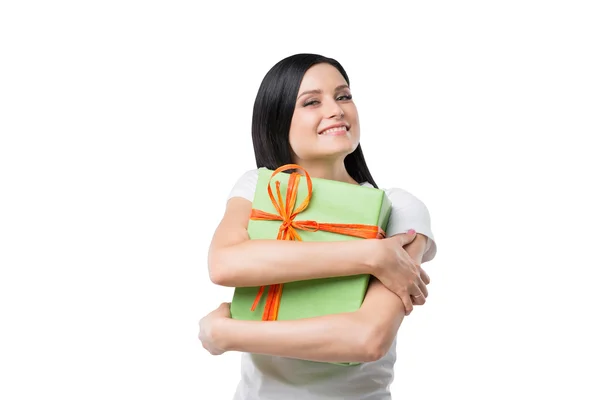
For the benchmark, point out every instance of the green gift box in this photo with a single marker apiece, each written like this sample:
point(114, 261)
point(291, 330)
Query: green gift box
point(330, 202)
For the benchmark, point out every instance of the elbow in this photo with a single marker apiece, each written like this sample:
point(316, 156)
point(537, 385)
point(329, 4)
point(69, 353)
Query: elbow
point(217, 270)
point(217, 276)
point(374, 352)
point(376, 345)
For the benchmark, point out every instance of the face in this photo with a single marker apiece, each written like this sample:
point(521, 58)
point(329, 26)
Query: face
point(325, 121)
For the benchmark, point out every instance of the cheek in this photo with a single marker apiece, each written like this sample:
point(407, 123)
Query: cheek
point(304, 121)
point(303, 127)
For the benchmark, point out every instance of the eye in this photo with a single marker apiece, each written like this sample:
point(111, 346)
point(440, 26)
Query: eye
point(310, 103)
point(345, 97)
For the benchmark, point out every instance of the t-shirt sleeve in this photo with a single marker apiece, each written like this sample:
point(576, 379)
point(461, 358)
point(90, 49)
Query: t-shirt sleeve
point(409, 212)
point(245, 186)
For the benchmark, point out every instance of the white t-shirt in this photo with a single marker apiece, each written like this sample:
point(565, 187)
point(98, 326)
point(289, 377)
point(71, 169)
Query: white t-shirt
point(279, 378)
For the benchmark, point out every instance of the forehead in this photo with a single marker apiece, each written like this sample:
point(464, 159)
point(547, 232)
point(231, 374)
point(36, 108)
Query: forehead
point(322, 76)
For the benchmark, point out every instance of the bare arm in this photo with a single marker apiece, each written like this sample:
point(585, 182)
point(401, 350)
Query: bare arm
point(236, 261)
point(362, 336)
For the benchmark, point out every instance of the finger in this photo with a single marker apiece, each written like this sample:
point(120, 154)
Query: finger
point(418, 299)
point(408, 304)
point(406, 238)
point(417, 293)
point(423, 288)
point(424, 277)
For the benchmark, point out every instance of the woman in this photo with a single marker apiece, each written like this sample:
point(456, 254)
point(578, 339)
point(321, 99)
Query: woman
point(304, 114)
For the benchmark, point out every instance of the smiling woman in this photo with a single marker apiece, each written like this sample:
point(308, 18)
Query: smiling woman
point(304, 114)
point(325, 122)
point(288, 116)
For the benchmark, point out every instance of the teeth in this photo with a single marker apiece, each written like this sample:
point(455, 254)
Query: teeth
point(339, 129)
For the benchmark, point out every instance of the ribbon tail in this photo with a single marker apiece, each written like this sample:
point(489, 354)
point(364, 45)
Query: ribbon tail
point(257, 298)
point(277, 302)
point(269, 305)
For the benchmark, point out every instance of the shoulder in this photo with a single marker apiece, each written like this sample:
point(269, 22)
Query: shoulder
point(407, 205)
point(245, 185)
point(410, 212)
point(403, 198)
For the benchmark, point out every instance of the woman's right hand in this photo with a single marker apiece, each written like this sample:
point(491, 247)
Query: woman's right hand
point(394, 267)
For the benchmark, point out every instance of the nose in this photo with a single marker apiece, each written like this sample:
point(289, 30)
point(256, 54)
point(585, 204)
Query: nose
point(334, 110)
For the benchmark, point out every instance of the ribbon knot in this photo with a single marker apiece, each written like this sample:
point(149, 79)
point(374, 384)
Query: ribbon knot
point(286, 225)
point(288, 229)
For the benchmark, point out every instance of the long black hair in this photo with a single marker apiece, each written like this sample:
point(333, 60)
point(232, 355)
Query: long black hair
point(273, 110)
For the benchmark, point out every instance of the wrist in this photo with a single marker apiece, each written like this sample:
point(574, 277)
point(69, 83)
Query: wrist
point(371, 255)
point(220, 333)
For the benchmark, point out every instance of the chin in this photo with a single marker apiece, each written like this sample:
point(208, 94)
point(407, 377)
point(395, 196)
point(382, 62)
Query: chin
point(339, 152)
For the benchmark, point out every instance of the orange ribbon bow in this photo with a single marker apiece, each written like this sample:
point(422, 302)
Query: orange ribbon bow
point(287, 230)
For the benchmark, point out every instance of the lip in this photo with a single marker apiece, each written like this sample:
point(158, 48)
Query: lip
point(335, 126)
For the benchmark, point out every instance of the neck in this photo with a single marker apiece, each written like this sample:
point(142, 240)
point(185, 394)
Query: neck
point(332, 171)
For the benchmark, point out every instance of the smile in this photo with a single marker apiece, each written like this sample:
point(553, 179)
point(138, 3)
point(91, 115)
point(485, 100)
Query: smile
point(338, 130)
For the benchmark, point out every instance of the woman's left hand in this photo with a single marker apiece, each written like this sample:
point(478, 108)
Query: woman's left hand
point(207, 334)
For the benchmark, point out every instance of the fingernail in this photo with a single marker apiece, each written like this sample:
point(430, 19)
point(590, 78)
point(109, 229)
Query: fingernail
point(411, 231)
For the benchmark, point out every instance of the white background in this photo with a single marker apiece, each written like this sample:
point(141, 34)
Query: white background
point(124, 125)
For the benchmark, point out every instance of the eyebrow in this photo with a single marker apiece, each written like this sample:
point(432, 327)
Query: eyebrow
point(318, 91)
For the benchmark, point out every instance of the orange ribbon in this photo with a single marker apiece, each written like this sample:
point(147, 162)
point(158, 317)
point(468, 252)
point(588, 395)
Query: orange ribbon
point(287, 230)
